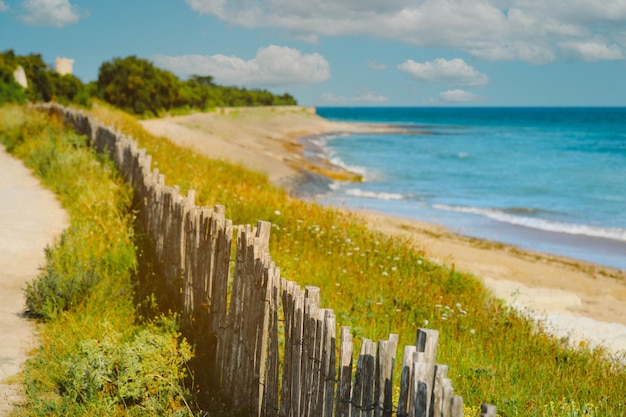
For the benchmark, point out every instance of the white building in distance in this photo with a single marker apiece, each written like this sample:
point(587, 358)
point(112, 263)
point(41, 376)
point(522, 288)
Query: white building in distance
point(20, 76)
point(64, 65)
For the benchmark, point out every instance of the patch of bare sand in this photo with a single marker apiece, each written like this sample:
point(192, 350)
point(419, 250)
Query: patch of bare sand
point(576, 300)
point(262, 139)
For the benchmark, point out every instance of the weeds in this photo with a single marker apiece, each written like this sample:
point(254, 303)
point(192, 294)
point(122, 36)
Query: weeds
point(95, 357)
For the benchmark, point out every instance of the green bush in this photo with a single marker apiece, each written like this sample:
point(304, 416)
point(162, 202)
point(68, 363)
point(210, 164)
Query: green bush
point(146, 371)
point(58, 289)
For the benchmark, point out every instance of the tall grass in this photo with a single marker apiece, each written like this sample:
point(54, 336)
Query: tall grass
point(379, 284)
point(96, 357)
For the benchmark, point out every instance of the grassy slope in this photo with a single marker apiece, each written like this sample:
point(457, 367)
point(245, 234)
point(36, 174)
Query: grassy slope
point(379, 285)
point(96, 357)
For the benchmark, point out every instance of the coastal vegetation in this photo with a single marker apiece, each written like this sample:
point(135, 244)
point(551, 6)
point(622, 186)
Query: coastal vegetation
point(43, 83)
point(96, 318)
point(97, 356)
point(378, 284)
point(132, 84)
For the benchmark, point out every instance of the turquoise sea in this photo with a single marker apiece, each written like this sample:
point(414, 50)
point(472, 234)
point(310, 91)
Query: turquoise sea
point(546, 179)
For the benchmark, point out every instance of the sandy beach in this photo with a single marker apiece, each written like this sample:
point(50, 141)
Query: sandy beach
point(577, 301)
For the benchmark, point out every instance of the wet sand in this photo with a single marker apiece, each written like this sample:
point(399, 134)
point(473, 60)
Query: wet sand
point(579, 301)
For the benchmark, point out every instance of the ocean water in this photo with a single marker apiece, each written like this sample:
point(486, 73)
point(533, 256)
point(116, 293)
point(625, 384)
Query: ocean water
point(547, 179)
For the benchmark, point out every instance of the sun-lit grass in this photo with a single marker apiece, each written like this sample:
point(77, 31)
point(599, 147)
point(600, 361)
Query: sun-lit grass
point(89, 362)
point(379, 284)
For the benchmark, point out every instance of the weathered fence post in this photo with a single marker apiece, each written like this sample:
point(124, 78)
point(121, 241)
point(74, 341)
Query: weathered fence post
point(488, 410)
point(344, 385)
point(405, 381)
point(385, 361)
point(329, 364)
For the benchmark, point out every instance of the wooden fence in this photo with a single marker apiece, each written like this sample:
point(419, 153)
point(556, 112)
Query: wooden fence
point(272, 348)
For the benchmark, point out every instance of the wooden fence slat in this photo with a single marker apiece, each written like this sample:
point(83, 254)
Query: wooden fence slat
point(369, 381)
point(457, 407)
point(262, 348)
point(405, 381)
point(219, 293)
point(297, 353)
point(316, 365)
point(420, 388)
point(344, 386)
point(488, 410)
point(426, 343)
point(384, 370)
point(427, 340)
point(448, 395)
point(363, 390)
point(270, 404)
point(329, 363)
point(311, 308)
point(441, 373)
point(288, 300)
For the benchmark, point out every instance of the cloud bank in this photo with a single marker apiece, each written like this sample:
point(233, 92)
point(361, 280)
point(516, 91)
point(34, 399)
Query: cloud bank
point(365, 96)
point(535, 31)
point(272, 66)
point(454, 72)
point(459, 96)
point(57, 13)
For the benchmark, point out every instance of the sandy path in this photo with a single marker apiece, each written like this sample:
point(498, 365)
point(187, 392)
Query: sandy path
point(577, 300)
point(30, 219)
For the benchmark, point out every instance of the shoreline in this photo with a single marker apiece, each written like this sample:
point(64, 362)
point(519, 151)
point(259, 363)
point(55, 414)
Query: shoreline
point(580, 301)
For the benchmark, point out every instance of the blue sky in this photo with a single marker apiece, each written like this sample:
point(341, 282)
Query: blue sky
point(349, 52)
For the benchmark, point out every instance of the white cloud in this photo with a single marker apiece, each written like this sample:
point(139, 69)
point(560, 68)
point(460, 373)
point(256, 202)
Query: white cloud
point(376, 66)
point(535, 53)
point(57, 13)
point(591, 51)
point(526, 30)
point(308, 38)
point(459, 96)
point(3, 7)
point(454, 72)
point(272, 66)
point(363, 97)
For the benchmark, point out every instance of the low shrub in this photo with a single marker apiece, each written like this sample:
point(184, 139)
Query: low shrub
point(146, 370)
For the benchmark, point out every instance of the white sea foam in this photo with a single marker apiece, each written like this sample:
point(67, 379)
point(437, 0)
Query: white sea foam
point(541, 224)
point(356, 192)
point(352, 168)
point(334, 186)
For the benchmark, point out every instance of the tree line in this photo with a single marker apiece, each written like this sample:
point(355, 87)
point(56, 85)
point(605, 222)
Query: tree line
point(132, 84)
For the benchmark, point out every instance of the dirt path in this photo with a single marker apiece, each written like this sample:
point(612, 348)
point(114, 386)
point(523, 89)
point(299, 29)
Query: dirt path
point(30, 219)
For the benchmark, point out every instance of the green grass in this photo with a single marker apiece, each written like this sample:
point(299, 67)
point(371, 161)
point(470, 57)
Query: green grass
point(379, 284)
point(376, 284)
point(97, 356)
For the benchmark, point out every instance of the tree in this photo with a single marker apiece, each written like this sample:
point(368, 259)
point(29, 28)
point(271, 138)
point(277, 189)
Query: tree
point(136, 85)
point(10, 90)
point(44, 84)
point(139, 87)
